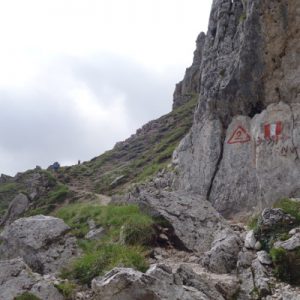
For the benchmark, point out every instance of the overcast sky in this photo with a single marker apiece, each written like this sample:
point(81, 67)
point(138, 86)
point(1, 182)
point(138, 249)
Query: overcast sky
point(77, 76)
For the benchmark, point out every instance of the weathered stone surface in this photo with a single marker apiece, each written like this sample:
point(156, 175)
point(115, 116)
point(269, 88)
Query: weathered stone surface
point(274, 217)
point(249, 79)
point(40, 240)
point(16, 208)
point(261, 278)
point(17, 278)
point(222, 257)
point(194, 220)
point(95, 234)
point(191, 83)
point(250, 240)
point(290, 244)
point(259, 170)
point(158, 283)
point(264, 258)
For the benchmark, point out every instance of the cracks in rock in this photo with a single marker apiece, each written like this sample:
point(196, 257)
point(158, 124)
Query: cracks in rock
point(293, 129)
point(217, 166)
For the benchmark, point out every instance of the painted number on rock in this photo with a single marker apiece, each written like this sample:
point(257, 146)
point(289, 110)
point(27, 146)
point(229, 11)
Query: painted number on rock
point(239, 136)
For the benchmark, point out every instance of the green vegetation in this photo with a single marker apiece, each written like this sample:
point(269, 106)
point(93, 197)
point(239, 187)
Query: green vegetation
point(67, 289)
point(49, 201)
point(253, 223)
point(286, 263)
point(138, 158)
point(290, 207)
point(27, 296)
point(8, 187)
point(103, 259)
point(281, 262)
point(128, 233)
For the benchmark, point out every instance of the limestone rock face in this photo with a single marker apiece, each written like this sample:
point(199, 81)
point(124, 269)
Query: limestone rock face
point(194, 220)
point(17, 278)
point(18, 206)
point(222, 257)
point(41, 241)
point(158, 283)
point(191, 83)
point(242, 152)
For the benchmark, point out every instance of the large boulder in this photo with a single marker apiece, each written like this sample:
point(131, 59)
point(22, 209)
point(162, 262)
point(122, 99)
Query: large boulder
point(242, 152)
point(17, 278)
point(194, 221)
point(42, 241)
point(158, 283)
point(16, 208)
point(222, 257)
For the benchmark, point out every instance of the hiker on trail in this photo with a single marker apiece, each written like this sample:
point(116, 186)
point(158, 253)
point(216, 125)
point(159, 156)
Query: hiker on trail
point(55, 166)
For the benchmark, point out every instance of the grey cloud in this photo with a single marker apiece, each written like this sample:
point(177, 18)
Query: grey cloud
point(39, 125)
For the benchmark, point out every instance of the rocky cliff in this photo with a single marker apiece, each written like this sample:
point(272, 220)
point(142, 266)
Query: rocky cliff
point(236, 155)
point(243, 149)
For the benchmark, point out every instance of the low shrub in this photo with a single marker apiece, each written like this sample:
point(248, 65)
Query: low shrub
point(290, 207)
point(27, 296)
point(67, 289)
point(105, 258)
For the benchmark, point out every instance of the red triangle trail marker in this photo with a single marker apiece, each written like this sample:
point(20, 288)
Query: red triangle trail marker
point(240, 136)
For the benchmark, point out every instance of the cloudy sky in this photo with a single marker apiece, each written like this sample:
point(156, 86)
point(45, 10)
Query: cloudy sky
point(77, 76)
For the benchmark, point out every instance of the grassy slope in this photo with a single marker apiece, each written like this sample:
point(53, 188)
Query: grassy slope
point(137, 158)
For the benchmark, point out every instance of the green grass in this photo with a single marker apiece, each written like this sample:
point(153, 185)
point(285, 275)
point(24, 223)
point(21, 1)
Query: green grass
point(27, 296)
point(49, 201)
point(8, 187)
point(67, 289)
point(140, 158)
point(128, 233)
point(105, 258)
point(290, 207)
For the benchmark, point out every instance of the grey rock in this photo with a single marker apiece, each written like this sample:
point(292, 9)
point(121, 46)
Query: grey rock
point(95, 234)
point(42, 242)
point(158, 283)
point(16, 208)
point(272, 217)
point(290, 244)
point(190, 85)
point(92, 224)
point(261, 278)
point(258, 246)
point(17, 278)
point(250, 240)
point(245, 258)
point(222, 257)
point(194, 221)
point(294, 231)
point(248, 79)
point(247, 285)
point(264, 258)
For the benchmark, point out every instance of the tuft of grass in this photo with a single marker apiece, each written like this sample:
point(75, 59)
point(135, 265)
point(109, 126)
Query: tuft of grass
point(253, 223)
point(27, 296)
point(8, 187)
point(128, 232)
point(105, 258)
point(67, 289)
point(290, 207)
point(281, 262)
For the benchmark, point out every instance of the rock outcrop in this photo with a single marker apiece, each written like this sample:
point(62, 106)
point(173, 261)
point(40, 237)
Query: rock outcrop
point(190, 85)
point(158, 283)
point(41, 241)
point(243, 150)
point(17, 278)
point(193, 219)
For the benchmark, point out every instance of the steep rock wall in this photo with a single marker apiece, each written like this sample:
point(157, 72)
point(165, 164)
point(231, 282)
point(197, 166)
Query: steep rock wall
point(242, 152)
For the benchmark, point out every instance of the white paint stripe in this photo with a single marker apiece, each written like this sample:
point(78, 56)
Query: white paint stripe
point(273, 130)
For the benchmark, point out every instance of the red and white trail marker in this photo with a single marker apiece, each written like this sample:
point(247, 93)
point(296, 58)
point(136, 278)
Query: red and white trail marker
point(272, 130)
point(239, 136)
